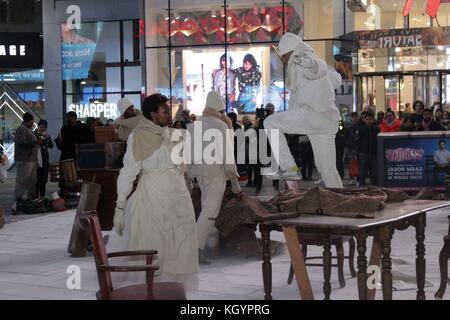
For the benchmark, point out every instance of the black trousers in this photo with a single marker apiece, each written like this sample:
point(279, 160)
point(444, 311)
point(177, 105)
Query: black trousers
point(258, 180)
point(42, 179)
point(307, 160)
point(340, 149)
point(368, 167)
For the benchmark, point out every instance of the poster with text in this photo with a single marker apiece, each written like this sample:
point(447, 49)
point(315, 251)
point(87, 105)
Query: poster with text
point(413, 163)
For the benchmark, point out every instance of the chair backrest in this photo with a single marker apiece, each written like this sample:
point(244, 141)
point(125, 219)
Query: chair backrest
point(101, 258)
point(69, 170)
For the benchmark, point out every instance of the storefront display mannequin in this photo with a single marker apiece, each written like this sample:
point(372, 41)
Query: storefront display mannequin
point(312, 109)
point(159, 215)
point(212, 178)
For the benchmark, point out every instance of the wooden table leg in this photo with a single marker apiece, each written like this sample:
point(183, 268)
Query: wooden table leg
point(267, 265)
point(361, 241)
point(443, 266)
point(386, 262)
point(298, 263)
point(375, 260)
point(420, 252)
point(327, 261)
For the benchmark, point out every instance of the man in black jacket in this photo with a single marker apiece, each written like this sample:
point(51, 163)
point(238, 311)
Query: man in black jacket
point(367, 148)
point(74, 132)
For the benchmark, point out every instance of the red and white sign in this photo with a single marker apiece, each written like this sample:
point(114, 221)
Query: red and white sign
point(431, 9)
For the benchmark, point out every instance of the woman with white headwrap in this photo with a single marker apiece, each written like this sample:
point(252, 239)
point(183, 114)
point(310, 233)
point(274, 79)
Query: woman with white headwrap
point(312, 110)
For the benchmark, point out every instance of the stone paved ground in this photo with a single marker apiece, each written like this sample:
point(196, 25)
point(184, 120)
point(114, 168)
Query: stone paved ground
point(34, 261)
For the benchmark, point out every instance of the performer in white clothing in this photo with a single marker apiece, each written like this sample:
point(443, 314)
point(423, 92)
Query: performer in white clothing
point(212, 177)
point(312, 109)
point(160, 214)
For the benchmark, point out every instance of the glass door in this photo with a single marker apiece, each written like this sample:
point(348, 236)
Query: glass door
point(445, 79)
point(427, 88)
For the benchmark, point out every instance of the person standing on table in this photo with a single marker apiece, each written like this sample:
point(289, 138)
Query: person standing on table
point(212, 178)
point(129, 119)
point(43, 157)
point(159, 215)
point(26, 156)
point(312, 109)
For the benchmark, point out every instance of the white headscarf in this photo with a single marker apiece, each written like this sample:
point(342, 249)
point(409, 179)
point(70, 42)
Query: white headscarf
point(313, 68)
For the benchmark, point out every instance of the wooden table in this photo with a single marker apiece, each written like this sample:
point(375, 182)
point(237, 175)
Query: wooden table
point(396, 216)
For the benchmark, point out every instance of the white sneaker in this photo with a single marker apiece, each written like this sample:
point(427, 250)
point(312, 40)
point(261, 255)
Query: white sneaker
point(318, 182)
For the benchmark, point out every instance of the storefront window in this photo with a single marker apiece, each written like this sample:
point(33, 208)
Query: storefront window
point(224, 45)
point(100, 64)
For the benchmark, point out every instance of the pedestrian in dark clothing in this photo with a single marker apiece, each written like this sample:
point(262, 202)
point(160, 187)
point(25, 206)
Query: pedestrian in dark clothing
point(307, 157)
point(419, 108)
point(74, 132)
point(43, 157)
point(25, 157)
point(428, 124)
point(367, 148)
point(408, 125)
point(342, 138)
point(270, 109)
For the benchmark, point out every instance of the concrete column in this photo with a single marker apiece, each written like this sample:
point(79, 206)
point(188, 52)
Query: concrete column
point(53, 76)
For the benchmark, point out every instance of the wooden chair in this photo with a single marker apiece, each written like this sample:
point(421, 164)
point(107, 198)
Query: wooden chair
point(444, 256)
point(55, 172)
point(337, 241)
point(72, 184)
point(147, 291)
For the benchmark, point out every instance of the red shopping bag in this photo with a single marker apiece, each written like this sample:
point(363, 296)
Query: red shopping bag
point(354, 168)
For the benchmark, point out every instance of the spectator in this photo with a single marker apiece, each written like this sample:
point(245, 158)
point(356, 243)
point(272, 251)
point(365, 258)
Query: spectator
point(178, 125)
point(428, 124)
point(43, 157)
point(91, 124)
point(445, 122)
point(74, 132)
point(408, 125)
point(185, 119)
point(193, 117)
point(233, 117)
point(380, 117)
point(269, 110)
point(109, 123)
point(419, 107)
point(438, 114)
point(353, 137)
point(408, 111)
point(342, 138)
point(367, 147)
point(250, 158)
point(307, 158)
point(390, 124)
point(26, 156)
point(442, 159)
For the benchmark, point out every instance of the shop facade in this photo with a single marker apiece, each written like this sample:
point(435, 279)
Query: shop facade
point(192, 47)
point(21, 71)
point(402, 54)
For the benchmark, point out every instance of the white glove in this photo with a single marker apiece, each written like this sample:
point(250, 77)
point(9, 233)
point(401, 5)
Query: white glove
point(119, 219)
point(235, 186)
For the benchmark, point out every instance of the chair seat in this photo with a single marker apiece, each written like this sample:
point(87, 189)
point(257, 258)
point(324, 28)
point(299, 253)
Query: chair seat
point(161, 291)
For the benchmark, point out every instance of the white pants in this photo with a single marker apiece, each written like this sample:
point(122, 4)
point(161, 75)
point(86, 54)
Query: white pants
point(212, 190)
point(323, 144)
